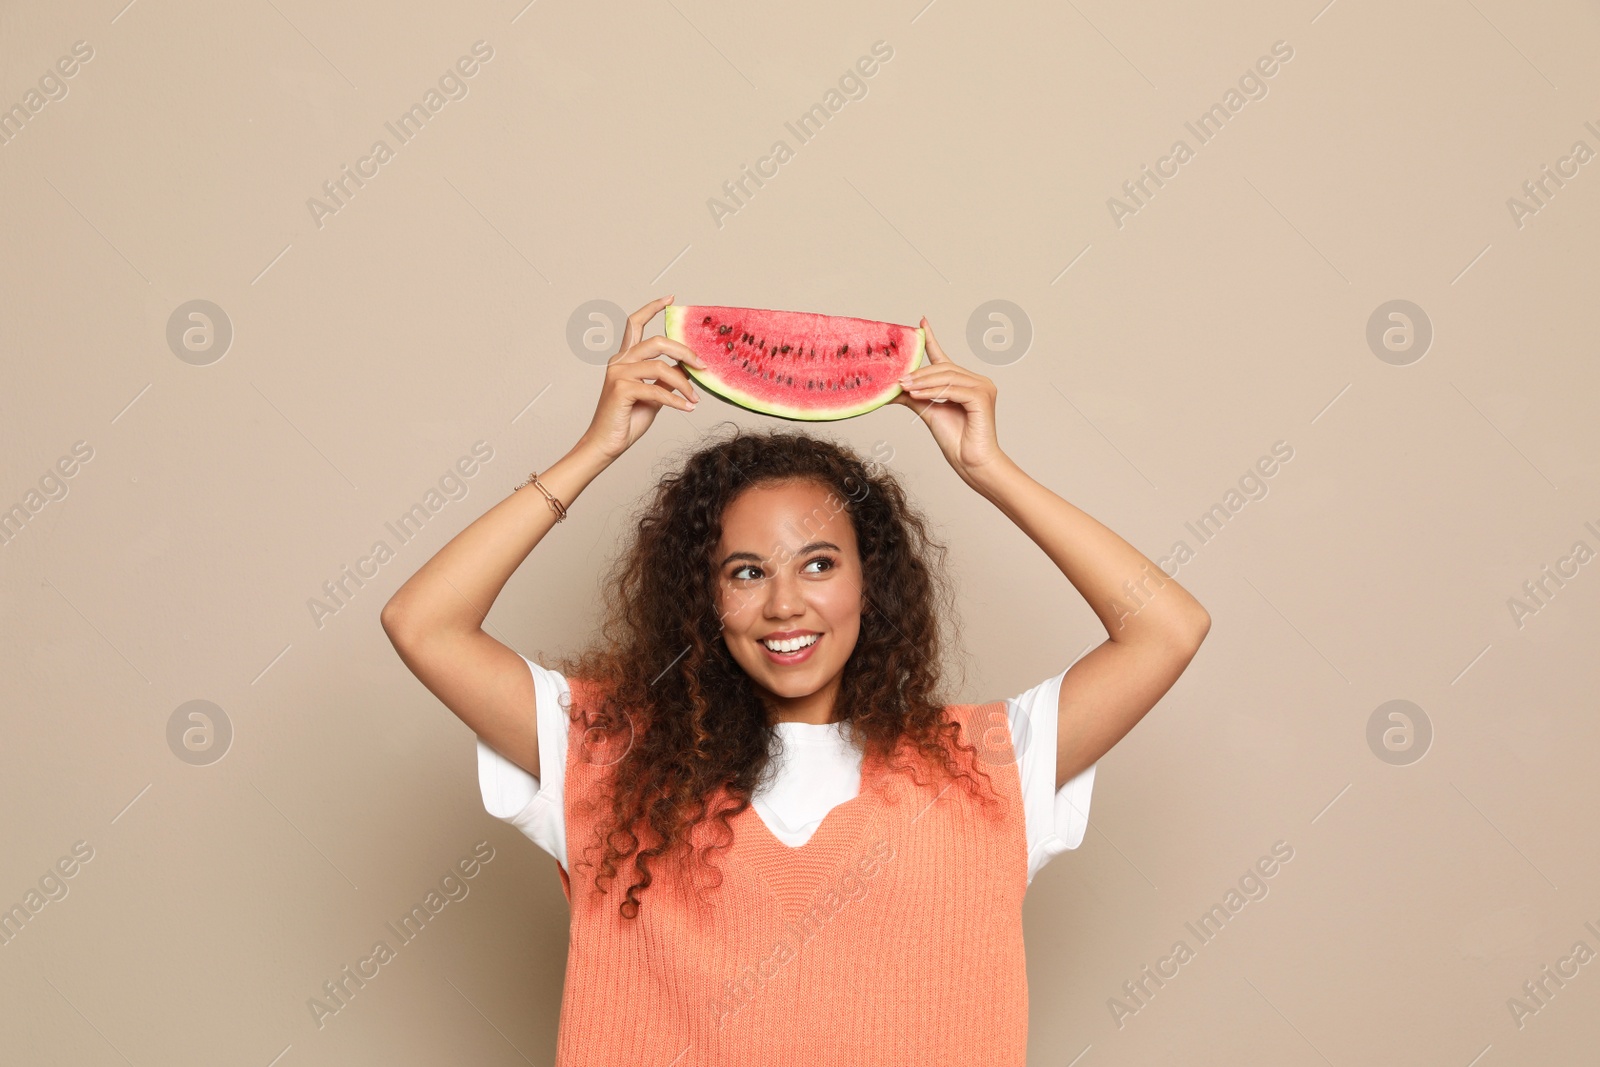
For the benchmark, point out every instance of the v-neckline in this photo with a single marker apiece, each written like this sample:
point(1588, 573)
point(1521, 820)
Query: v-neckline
point(772, 839)
point(793, 873)
point(864, 779)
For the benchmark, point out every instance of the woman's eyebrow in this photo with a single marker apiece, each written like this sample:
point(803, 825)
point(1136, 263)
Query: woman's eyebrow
point(812, 547)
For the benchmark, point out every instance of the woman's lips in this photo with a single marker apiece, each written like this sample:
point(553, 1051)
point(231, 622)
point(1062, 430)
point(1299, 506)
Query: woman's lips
point(789, 659)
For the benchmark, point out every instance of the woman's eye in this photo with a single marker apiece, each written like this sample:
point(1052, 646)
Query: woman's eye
point(749, 572)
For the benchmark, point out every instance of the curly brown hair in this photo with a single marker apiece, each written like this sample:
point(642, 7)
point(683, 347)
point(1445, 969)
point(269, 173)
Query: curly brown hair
point(695, 718)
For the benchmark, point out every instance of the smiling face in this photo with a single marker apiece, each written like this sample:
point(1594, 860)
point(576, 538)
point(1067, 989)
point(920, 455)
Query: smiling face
point(788, 589)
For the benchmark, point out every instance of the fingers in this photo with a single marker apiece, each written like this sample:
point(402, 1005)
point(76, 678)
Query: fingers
point(968, 396)
point(941, 374)
point(905, 400)
point(659, 345)
point(919, 408)
point(663, 373)
point(651, 393)
point(637, 321)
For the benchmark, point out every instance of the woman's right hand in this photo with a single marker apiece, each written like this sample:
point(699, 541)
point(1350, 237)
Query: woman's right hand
point(638, 385)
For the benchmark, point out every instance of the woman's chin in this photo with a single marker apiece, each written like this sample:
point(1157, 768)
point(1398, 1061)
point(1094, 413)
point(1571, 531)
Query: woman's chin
point(789, 685)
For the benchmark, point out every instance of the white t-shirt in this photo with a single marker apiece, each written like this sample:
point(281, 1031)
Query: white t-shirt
point(818, 768)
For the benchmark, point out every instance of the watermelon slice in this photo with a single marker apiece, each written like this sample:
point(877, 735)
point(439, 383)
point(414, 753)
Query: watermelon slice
point(795, 364)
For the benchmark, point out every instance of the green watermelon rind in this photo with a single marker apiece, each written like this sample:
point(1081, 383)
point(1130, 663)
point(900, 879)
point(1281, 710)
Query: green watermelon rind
point(674, 322)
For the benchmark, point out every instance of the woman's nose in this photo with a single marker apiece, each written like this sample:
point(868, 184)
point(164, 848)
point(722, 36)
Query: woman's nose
point(783, 596)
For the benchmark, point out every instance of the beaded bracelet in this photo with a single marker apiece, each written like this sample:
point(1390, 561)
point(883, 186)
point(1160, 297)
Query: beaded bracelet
point(555, 505)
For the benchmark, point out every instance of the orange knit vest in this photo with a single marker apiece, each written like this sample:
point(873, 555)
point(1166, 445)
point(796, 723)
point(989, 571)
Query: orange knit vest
point(892, 936)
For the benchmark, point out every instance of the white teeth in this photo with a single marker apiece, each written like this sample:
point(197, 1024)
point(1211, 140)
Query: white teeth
point(791, 644)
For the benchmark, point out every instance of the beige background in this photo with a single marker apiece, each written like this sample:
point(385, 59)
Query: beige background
point(1169, 355)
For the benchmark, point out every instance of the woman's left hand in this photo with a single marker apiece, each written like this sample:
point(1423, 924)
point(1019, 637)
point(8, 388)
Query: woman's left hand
point(958, 406)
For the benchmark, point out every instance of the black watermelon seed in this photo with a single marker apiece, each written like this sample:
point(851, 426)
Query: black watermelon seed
point(730, 346)
point(722, 329)
point(846, 348)
point(785, 348)
point(706, 321)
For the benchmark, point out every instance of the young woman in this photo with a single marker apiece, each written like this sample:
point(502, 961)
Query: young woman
point(778, 844)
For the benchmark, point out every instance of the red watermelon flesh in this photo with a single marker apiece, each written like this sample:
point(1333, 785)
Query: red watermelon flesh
point(796, 364)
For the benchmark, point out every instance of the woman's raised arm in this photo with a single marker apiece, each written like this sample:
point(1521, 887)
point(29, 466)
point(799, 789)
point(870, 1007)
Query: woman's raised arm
point(1107, 692)
point(435, 619)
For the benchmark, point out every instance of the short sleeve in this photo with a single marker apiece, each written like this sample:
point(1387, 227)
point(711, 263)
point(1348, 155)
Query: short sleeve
point(1056, 819)
point(533, 805)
